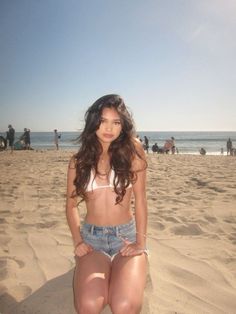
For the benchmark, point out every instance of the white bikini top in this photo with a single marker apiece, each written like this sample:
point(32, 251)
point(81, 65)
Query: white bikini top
point(92, 185)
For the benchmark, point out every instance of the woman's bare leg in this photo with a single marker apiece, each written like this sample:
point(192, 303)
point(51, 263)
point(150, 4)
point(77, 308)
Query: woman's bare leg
point(127, 283)
point(91, 279)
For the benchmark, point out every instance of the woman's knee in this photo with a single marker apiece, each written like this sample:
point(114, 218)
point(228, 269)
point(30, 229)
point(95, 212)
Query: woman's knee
point(125, 305)
point(89, 306)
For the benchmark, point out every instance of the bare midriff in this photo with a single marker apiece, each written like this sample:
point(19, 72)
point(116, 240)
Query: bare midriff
point(102, 211)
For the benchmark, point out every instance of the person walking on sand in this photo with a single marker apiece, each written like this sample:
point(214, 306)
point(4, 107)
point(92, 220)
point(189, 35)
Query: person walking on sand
point(56, 138)
point(146, 144)
point(229, 146)
point(110, 247)
point(11, 137)
point(26, 138)
point(173, 148)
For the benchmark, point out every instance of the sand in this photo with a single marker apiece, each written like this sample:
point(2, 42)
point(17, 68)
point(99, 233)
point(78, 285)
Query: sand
point(191, 234)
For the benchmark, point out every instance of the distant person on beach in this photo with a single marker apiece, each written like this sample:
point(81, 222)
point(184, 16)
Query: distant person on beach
point(202, 151)
point(6, 138)
point(155, 148)
point(56, 138)
point(3, 143)
point(138, 138)
point(169, 145)
point(110, 249)
point(173, 149)
point(229, 146)
point(146, 144)
point(11, 137)
point(26, 138)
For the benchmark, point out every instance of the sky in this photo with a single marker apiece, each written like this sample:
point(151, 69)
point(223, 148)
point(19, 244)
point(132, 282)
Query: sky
point(173, 62)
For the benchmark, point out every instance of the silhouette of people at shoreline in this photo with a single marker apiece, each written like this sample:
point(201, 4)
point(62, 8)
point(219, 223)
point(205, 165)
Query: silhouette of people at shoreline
point(56, 138)
point(169, 146)
point(11, 137)
point(202, 151)
point(26, 138)
point(229, 146)
point(146, 144)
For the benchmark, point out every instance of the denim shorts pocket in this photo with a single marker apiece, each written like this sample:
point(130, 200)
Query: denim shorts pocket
point(128, 235)
point(95, 239)
point(86, 234)
point(131, 237)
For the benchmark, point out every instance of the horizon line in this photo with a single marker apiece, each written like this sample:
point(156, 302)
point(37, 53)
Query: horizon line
point(137, 131)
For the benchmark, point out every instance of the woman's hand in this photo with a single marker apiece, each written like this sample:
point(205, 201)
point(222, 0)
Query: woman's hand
point(82, 249)
point(132, 249)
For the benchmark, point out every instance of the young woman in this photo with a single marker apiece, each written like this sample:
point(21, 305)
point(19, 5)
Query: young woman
point(110, 247)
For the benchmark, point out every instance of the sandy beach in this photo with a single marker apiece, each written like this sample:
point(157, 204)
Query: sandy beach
point(191, 234)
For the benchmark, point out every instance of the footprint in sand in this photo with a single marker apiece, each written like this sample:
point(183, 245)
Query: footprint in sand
point(4, 240)
point(23, 226)
point(48, 224)
point(210, 219)
point(3, 272)
point(171, 219)
point(232, 238)
point(230, 220)
point(8, 265)
point(2, 221)
point(199, 182)
point(22, 291)
point(156, 225)
point(191, 229)
point(153, 198)
point(216, 189)
point(183, 219)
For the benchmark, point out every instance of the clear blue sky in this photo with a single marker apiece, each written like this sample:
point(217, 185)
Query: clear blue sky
point(173, 61)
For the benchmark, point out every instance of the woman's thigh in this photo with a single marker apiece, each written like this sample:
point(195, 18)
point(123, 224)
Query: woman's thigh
point(91, 279)
point(127, 282)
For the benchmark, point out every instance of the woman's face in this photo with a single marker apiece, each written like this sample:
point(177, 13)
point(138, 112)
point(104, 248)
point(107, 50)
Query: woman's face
point(110, 127)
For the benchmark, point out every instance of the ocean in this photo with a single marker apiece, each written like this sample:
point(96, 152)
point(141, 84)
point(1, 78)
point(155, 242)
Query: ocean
point(186, 142)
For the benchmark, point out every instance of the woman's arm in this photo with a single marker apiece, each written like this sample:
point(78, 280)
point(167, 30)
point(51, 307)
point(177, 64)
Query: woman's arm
point(139, 189)
point(72, 215)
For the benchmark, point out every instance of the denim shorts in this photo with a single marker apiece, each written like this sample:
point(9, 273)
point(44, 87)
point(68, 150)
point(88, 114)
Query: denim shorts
point(109, 239)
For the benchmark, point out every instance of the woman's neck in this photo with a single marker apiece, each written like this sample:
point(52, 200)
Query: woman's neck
point(104, 164)
point(104, 157)
point(104, 153)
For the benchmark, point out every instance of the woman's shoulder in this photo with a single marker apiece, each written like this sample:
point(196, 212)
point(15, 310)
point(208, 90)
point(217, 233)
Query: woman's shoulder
point(139, 161)
point(138, 147)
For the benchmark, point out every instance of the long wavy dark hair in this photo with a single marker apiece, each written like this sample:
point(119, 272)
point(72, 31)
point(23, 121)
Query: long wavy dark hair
point(121, 151)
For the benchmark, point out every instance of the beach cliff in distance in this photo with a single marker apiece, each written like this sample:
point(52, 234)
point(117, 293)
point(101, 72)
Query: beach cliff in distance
point(191, 234)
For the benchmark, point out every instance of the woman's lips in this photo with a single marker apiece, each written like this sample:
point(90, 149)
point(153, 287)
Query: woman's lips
point(108, 135)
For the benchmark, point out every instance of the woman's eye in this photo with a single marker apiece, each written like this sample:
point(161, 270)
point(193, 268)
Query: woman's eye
point(117, 122)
